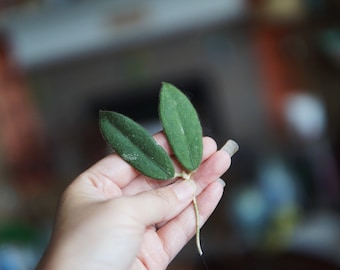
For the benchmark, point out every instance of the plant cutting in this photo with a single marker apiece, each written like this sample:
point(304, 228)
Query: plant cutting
point(137, 147)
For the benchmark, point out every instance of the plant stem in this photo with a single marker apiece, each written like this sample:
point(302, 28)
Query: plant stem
point(187, 176)
point(198, 238)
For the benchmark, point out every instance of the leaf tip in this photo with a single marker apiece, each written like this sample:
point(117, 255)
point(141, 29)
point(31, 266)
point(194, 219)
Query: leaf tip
point(102, 114)
point(167, 85)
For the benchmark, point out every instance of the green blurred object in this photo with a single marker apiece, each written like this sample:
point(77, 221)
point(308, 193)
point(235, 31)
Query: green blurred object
point(17, 232)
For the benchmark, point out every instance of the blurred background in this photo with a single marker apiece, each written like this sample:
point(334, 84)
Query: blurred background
point(265, 73)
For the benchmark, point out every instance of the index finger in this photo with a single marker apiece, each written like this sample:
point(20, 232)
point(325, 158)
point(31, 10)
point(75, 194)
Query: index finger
point(114, 169)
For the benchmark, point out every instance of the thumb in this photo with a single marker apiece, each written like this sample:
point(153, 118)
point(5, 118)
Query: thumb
point(161, 204)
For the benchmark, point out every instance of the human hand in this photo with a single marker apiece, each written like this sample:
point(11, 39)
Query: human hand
point(112, 217)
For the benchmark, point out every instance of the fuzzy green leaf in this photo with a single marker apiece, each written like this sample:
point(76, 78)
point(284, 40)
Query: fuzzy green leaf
point(181, 126)
point(135, 145)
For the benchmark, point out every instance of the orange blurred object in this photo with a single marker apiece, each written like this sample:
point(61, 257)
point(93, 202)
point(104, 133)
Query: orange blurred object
point(21, 133)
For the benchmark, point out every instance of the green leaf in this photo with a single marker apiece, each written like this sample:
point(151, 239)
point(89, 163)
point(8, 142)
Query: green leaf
point(135, 145)
point(181, 126)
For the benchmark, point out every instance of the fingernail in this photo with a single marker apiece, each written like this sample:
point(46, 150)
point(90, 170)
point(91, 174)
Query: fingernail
point(221, 181)
point(231, 147)
point(185, 189)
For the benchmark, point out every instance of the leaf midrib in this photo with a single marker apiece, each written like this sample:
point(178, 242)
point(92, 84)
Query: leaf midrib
point(184, 132)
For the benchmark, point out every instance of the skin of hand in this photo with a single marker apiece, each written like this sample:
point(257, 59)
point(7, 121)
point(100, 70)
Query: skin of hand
point(112, 217)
